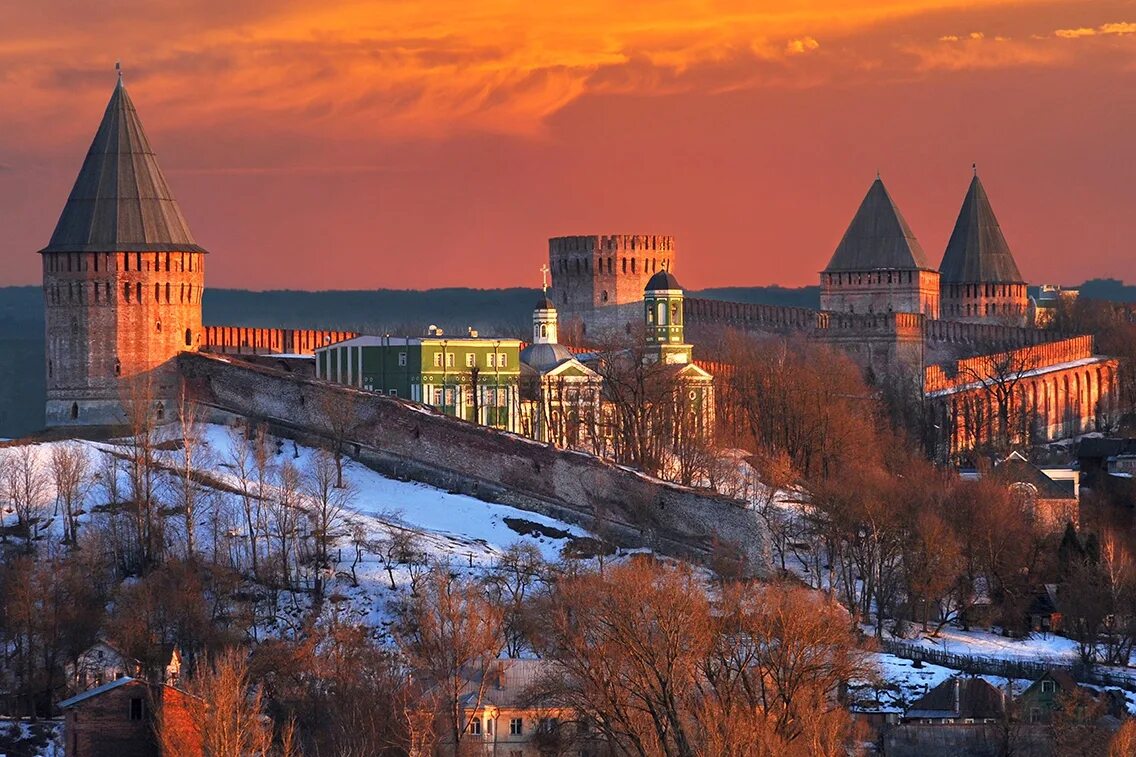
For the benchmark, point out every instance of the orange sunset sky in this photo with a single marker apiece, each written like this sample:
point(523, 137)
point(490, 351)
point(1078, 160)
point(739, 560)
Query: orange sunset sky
point(341, 144)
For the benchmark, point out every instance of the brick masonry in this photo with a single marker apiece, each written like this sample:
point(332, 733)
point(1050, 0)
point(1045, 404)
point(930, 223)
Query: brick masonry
point(408, 441)
point(112, 319)
point(598, 280)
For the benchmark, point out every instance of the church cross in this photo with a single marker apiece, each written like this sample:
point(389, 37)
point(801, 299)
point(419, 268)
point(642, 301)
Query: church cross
point(544, 270)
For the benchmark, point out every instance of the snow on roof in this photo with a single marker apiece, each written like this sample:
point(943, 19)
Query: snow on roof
point(97, 691)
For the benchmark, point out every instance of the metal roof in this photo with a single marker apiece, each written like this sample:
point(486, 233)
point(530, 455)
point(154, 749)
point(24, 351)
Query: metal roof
point(544, 357)
point(121, 201)
point(96, 692)
point(977, 251)
point(662, 281)
point(878, 238)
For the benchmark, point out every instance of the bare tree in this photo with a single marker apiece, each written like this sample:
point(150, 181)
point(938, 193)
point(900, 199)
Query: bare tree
point(228, 711)
point(512, 579)
point(192, 457)
point(998, 380)
point(25, 485)
point(326, 498)
point(140, 450)
point(70, 471)
point(250, 459)
point(284, 512)
point(339, 417)
point(452, 634)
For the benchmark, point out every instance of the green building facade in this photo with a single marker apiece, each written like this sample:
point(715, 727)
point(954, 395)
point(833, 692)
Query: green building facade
point(475, 379)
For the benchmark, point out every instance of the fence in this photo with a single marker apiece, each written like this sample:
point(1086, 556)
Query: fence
point(1008, 667)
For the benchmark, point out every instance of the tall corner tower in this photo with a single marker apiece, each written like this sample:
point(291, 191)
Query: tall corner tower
point(598, 281)
point(122, 281)
point(979, 277)
point(879, 266)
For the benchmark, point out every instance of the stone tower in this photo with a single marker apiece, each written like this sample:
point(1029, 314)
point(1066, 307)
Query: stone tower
point(663, 313)
point(980, 280)
point(879, 266)
point(122, 281)
point(598, 281)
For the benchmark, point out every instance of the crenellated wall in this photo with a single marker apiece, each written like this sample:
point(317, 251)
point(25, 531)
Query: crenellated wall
point(249, 340)
point(747, 315)
point(1019, 361)
point(1030, 395)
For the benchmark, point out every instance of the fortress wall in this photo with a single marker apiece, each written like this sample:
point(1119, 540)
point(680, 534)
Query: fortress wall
point(948, 340)
point(410, 441)
point(248, 340)
point(748, 316)
point(1008, 363)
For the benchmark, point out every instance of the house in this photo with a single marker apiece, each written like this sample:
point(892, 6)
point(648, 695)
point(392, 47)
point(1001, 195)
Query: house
point(1044, 697)
point(505, 720)
point(1099, 459)
point(102, 663)
point(958, 700)
point(1050, 503)
point(469, 377)
point(1044, 617)
point(119, 719)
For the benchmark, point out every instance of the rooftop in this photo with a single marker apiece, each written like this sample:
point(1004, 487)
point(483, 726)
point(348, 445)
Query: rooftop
point(878, 238)
point(977, 250)
point(121, 201)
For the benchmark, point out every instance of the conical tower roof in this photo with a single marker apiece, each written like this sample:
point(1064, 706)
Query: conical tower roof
point(878, 238)
point(977, 252)
point(121, 201)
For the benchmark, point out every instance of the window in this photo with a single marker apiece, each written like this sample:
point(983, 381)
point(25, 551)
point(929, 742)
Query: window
point(1047, 687)
point(475, 727)
point(449, 360)
point(137, 708)
point(437, 359)
point(502, 360)
point(393, 392)
point(470, 360)
point(491, 359)
point(516, 726)
point(437, 396)
point(402, 359)
point(188, 338)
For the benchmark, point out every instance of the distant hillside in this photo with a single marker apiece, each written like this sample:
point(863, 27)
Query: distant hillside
point(1108, 289)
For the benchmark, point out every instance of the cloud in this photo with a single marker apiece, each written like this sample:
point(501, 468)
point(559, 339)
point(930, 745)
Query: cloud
point(1118, 29)
point(976, 51)
point(802, 45)
point(387, 68)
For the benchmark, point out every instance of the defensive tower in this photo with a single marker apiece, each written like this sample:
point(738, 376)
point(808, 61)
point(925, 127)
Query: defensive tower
point(879, 265)
point(979, 278)
point(122, 281)
point(598, 281)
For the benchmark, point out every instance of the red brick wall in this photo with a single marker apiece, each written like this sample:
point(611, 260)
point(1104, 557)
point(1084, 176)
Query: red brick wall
point(249, 340)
